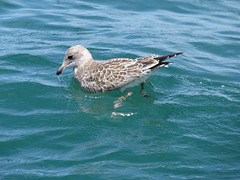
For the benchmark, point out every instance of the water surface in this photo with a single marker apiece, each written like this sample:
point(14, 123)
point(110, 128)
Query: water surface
point(189, 128)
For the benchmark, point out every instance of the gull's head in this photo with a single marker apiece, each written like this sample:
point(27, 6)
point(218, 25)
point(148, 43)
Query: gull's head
point(75, 56)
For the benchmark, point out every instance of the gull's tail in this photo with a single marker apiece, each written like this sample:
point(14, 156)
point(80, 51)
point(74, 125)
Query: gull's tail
point(163, 58)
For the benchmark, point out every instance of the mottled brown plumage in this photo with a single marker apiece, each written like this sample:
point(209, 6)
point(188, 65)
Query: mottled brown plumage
point(100, 76)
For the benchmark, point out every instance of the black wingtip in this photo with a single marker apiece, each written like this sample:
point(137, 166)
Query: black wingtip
point(163, 58)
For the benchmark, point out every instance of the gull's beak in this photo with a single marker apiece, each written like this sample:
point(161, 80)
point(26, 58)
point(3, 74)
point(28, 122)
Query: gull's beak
point(59, 71)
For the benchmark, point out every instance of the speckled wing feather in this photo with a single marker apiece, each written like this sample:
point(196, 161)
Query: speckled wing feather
point(148, 62)
point(116, 73)
point(110, 74)
point(119, 73)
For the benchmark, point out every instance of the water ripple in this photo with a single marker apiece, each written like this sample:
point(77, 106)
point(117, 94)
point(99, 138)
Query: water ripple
point(188, 129)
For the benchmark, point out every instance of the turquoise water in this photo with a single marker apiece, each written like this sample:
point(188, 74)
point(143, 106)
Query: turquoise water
point(188, 129)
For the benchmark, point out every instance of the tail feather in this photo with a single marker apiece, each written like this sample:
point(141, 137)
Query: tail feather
point(163, 58)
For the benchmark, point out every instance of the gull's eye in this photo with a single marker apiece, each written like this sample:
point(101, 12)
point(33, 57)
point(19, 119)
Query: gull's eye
point(70, 57)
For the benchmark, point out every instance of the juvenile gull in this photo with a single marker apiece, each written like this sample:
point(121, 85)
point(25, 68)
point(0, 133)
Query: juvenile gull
point(120, 73)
